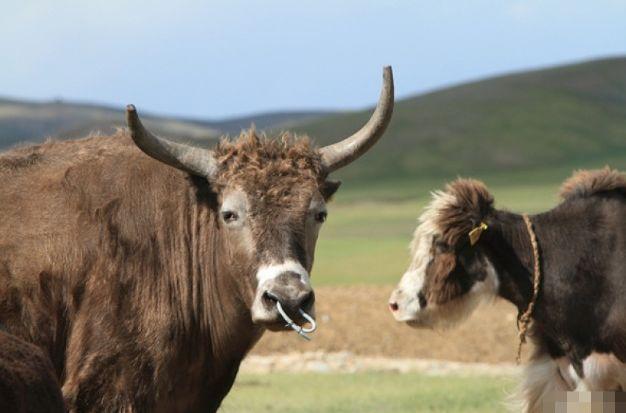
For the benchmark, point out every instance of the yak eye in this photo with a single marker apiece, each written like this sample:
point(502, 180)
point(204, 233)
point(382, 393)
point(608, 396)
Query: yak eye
point(422, 300)
point(321, 216)
point(441, 247)
point(229, 216)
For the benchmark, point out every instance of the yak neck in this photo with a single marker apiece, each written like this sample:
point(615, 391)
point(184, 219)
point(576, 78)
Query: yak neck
point(508, 247)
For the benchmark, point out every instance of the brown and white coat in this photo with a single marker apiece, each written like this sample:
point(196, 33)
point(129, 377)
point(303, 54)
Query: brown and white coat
point(579, 320)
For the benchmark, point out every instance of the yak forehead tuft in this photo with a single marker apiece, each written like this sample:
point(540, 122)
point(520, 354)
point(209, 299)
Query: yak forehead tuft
point(471, 203)
point(451, 214)
point(585, 183)
point(269, 168)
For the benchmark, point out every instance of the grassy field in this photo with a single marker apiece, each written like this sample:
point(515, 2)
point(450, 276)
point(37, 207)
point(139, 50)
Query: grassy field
point(366, 392)
point(366, 237)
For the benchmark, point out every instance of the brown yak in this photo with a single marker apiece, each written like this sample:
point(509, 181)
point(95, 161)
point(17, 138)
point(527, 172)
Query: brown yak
point(27, 380)
point(148, 278)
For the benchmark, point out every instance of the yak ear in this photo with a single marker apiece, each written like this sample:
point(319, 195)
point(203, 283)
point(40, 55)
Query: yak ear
point(329, 188)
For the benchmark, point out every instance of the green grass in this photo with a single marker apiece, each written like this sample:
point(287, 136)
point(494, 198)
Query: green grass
point(365, 240)
point(366, 392)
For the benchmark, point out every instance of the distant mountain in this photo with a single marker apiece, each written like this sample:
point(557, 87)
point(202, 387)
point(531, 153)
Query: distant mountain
point(265, 121)
point(568, 117)
point(25, 121)
point(563, 117)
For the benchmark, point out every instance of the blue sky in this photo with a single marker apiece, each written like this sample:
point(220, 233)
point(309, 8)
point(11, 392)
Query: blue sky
point(214, 59)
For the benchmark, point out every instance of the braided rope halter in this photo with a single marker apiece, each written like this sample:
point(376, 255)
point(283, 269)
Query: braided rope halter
point(523, 320)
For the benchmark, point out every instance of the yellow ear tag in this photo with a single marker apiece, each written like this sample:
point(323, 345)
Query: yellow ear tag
point(474, 235)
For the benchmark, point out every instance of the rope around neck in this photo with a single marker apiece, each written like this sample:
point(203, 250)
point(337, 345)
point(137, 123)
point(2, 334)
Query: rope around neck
point(524, 320)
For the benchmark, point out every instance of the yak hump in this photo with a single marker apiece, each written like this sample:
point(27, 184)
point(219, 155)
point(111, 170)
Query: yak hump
point(586, 183)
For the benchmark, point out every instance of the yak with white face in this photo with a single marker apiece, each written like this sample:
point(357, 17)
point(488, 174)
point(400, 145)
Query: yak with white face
point(146, 268)
point(447, 276)
point(465, 250)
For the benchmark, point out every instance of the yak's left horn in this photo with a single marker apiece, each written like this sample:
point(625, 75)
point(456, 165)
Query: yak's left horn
point(197, 161)
point(342, 153)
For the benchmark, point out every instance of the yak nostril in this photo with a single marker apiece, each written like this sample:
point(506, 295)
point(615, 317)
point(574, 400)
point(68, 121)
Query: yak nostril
point(268, 296)
point(393, 306)
point(307, 300)
point(304, 301)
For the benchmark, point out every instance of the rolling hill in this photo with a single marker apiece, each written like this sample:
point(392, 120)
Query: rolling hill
point(520, 127)
point(524, 125)
point(33, 121)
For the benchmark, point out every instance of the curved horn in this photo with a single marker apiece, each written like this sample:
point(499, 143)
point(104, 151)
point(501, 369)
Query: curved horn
point(340, 154)
point(196, 161)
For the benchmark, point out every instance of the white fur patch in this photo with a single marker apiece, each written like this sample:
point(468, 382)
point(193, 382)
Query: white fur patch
point(269, 272)
point(412, 281)
point(426, 231)
point(540, 387)
point(547, 380)
point(603, 372)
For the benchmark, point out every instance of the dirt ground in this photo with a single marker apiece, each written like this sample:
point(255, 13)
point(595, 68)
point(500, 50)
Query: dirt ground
point(346, 362)
point(355, 319)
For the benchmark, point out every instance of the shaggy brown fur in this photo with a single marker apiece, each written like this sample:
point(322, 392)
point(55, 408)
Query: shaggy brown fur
point(27, 380)
point(586, 183)
point(472, 202)
point(119, 268)
point(259, 160)
point(439, 289)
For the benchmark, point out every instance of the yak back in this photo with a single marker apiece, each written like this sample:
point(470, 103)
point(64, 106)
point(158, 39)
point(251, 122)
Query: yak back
point(587, 183)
